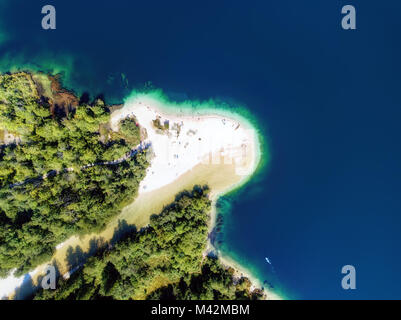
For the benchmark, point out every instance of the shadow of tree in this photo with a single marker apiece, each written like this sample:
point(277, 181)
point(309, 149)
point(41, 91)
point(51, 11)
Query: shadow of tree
point(100, 96)
point(215, 236)
point(76, 257)
point(95, 245)
point(122, 231)
point(27, 289)
point(84, 98)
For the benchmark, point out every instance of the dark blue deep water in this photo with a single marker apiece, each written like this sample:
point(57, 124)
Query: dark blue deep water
point(328, 100)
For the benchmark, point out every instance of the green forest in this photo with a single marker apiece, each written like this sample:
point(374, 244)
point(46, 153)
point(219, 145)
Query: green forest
point(46, 192)
point(165, 261)
point(59, 177)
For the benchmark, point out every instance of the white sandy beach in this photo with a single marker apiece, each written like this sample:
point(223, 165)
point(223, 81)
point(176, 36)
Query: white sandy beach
point(190, 140)
point(11, 283)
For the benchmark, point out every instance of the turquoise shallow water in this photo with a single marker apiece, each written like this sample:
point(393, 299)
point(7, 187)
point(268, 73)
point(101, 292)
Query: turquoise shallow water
point(327, 102)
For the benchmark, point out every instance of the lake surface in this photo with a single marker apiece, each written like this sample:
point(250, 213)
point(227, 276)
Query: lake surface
point(328, 102)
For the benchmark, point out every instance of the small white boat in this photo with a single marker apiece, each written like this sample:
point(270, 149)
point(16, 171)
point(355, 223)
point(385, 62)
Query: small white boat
point(267, 260)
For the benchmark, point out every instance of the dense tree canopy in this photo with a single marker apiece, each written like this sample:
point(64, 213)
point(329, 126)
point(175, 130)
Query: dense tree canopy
point(165, 261)
point(130, 129)
point(47, 190)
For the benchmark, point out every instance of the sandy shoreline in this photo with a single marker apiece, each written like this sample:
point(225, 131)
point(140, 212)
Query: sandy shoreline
point(188, 149)
point(241, 271)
